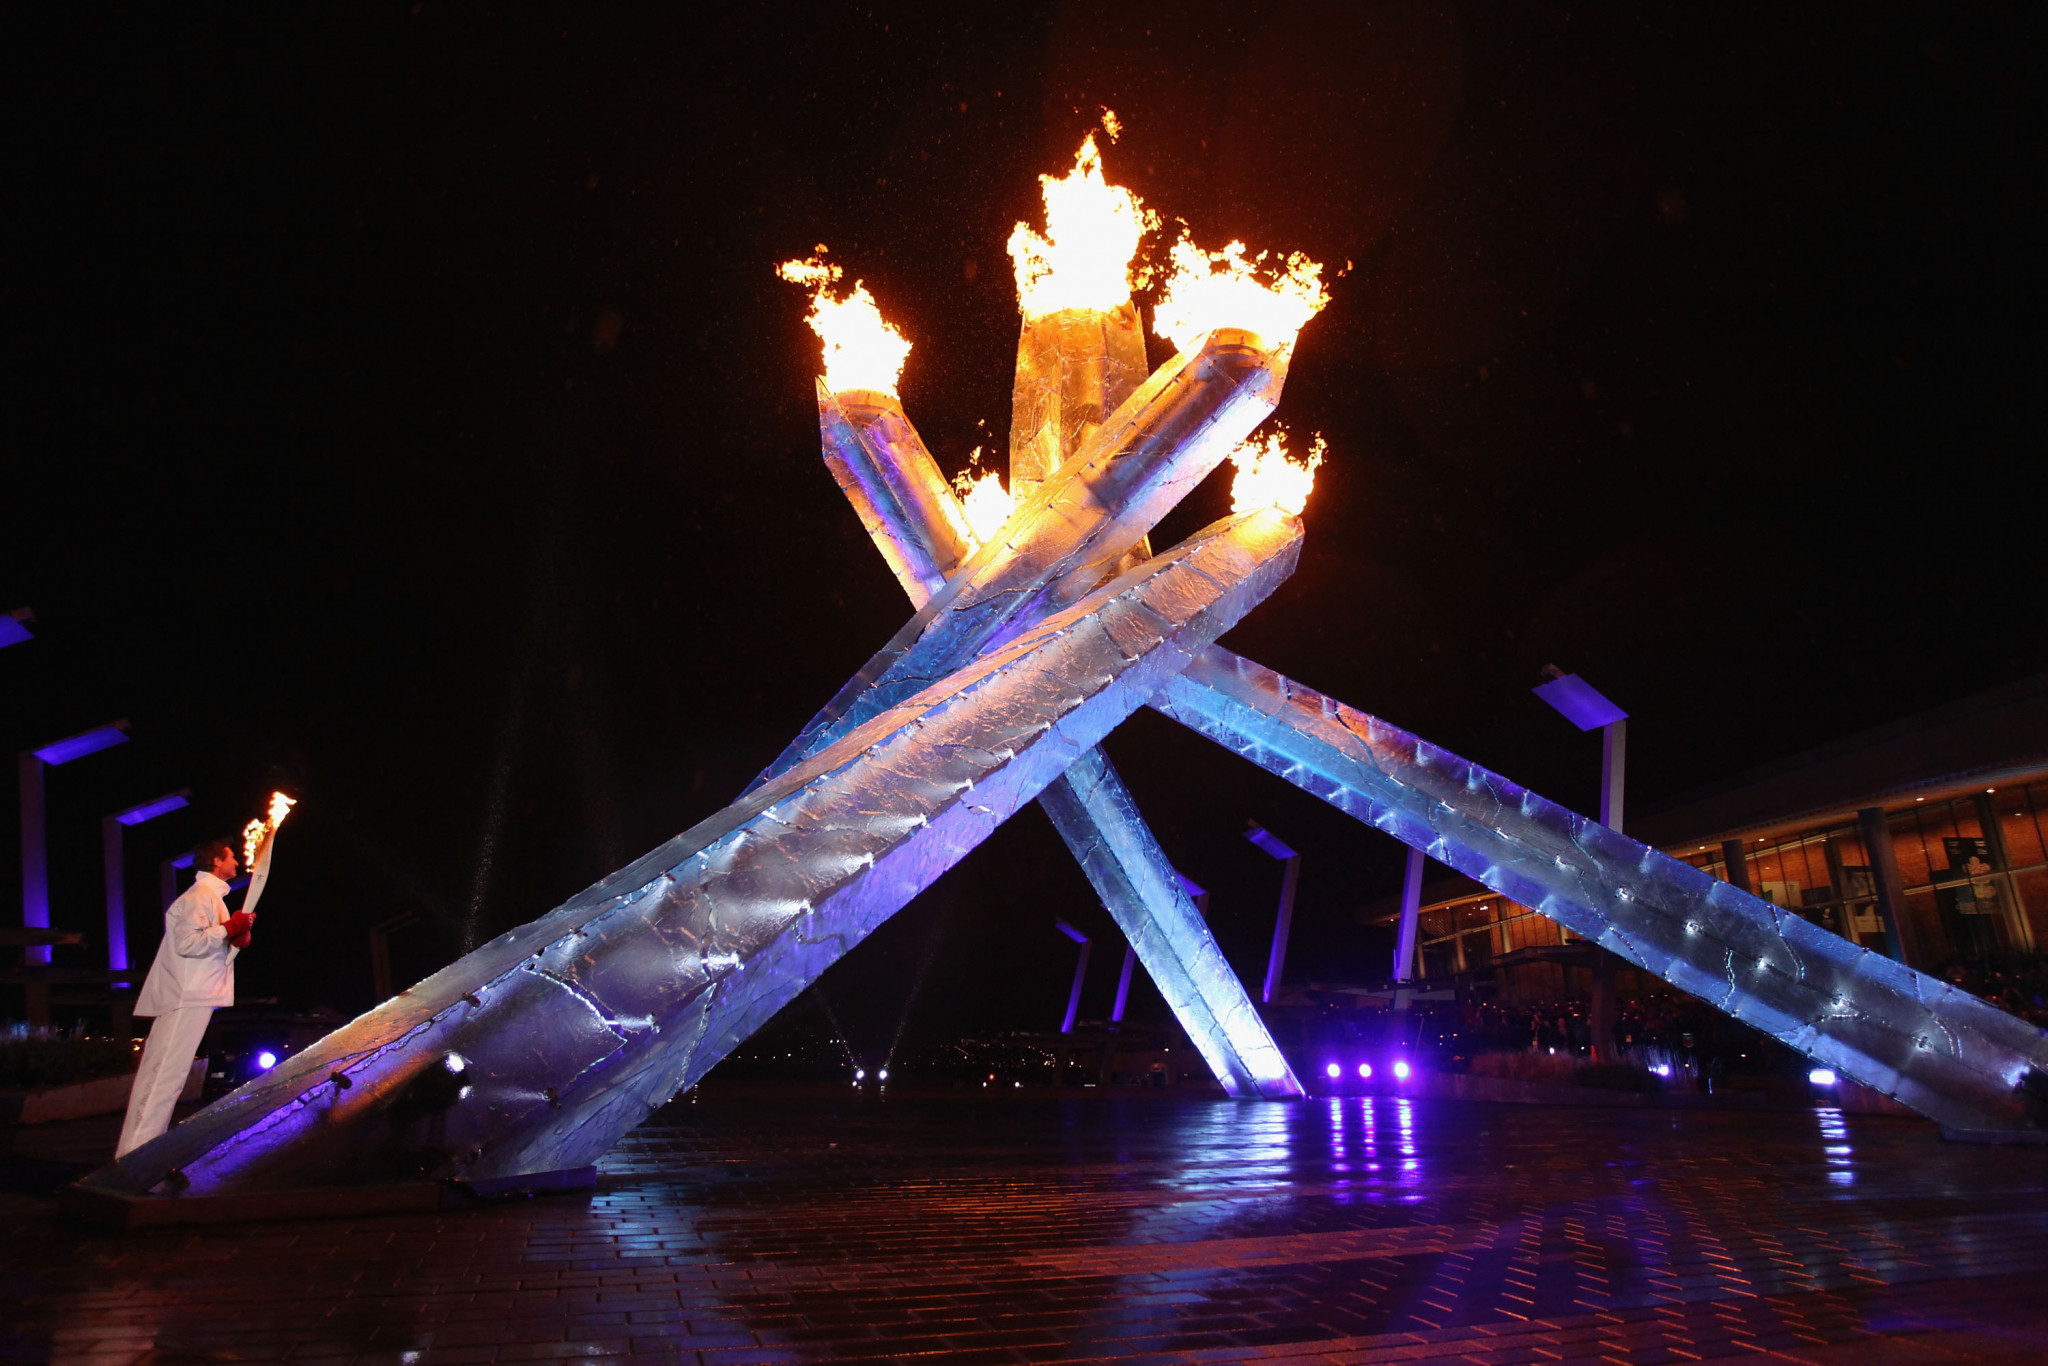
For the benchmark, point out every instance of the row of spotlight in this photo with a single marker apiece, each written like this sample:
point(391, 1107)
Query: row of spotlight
point(1400, 1071)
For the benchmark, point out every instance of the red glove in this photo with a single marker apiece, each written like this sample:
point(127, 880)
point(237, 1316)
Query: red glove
point(238, 926)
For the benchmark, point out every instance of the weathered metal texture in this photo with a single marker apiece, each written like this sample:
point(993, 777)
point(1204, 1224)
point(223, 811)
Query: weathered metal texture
point(1073, 530)
point(540, 1049)
point(1091, 809)
point(1940, 1050)
point(881, 465)
point(1074, 368)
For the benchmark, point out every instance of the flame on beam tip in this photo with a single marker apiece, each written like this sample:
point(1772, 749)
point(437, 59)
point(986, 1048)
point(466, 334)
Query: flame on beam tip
point(1092, 230)
point(1268, 478)
point(862, 349)
point(1210, 289)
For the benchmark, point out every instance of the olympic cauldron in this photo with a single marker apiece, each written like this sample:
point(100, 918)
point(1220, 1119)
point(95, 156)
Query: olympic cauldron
point(1042, 620)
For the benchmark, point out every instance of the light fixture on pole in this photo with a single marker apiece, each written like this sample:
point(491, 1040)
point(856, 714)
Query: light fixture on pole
point(1278, 848)
point(1080, 974)
point(114, 861)
point(35, 855)
point(1581, 704)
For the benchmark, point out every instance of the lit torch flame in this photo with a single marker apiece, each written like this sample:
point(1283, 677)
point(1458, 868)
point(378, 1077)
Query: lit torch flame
point(862, 350)
point(1091, 232)
point(1211, 289)
point(1266, 478)
point(984, 501)
point(255, 831)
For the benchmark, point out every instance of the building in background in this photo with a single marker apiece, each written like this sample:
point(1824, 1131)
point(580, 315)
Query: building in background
point(1926, 839)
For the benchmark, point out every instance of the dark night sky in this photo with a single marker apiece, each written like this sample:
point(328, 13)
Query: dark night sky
point(402, 409)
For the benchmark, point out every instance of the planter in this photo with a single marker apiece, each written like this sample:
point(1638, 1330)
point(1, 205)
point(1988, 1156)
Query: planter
point(82, 1099)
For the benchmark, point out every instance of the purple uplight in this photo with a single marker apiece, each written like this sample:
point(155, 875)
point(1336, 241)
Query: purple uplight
point(1579, 702)
point(12, 632)
point(149, 811)
point(1270, 842)
point(84, 743)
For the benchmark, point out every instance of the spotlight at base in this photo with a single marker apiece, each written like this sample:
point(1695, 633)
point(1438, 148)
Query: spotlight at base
point(860, 1074)
point(1333, 1071)
point(1662, 1069)
point(1364, 1070)
point(882, 1075)
point(266, 1060)
point(1401, 1070)
point(1822, 1076)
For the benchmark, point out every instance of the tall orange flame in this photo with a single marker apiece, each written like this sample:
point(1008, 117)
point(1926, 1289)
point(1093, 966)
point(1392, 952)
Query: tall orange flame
point(1211, 289)
point(1091, 233)
point(984, 501)
point(862, 350)
point(1267, 478)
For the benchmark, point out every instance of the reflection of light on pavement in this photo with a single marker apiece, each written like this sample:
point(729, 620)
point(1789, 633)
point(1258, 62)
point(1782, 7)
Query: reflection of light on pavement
point(1411, 1166)
point(1840, 1155)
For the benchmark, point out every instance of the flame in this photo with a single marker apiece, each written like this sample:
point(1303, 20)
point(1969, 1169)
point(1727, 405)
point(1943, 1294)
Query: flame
point(1091, 233)
point(1211, 289)
point(984, 501)
point(1267, 478)
point(255, 831)
point(862, 351)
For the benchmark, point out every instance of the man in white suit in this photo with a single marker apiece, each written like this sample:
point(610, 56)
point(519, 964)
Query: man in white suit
point(194, 973)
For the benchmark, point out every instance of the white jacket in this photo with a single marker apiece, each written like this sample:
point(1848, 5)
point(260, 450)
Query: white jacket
point(195, 964)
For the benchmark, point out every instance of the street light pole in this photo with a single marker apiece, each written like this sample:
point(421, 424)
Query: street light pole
point(114, 864)
point(35, 854)
point(1080, 974)
point(1284, 922)
point(1580, 703)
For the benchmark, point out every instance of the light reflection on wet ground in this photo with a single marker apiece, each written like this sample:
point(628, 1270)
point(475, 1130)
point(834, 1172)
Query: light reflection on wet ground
point(755, 1225)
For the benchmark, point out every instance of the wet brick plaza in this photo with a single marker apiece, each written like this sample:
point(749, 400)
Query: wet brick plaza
point(750, 1224)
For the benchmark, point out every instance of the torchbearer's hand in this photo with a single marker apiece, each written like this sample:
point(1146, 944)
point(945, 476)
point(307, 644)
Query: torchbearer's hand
point(238, 926)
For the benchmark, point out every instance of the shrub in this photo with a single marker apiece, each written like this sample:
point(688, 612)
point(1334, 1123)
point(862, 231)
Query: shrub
point(1617, 1076)
point(1526, 1066)
point(26, 1064)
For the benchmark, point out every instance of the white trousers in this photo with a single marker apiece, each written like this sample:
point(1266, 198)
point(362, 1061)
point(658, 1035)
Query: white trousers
point(166, 1064)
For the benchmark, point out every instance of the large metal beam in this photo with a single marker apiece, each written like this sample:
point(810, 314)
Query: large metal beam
point(882, 465)
point(1930, 1045)
point(536, 1052)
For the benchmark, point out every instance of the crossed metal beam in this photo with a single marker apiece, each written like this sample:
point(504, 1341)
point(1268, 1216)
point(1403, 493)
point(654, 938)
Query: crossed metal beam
point(537, 1051)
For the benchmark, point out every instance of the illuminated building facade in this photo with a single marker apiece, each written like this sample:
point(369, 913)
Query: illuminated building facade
point(1960, 870)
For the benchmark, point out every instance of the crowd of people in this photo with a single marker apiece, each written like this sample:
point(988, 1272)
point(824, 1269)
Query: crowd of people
point(1664, 1028)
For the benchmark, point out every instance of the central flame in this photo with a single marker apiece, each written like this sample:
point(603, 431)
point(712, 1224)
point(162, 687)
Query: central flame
point(1267, 478)
point(862, 350)
point(1091, 233)
point(984, 501)
point(1211, 289)
point(254, 832)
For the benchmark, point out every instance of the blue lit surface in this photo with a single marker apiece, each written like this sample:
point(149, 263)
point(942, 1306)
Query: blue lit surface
point(1580, 703)
point(13, 632)
point(1270, 842)
point(149, 811)
point(84, 743)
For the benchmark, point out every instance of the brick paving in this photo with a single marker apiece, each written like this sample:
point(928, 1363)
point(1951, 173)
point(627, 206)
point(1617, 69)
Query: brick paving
point(750, 1225)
